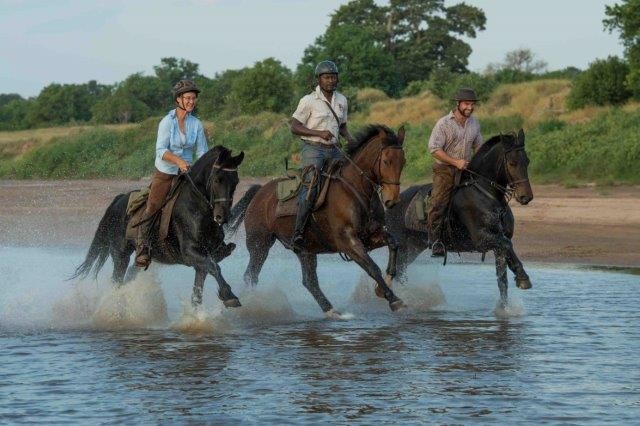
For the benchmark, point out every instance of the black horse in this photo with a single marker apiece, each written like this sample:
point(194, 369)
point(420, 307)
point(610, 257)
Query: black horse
point(479, 218)
point(195, 236)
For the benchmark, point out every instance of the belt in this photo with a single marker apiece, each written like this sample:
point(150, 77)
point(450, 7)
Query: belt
point(320, 144)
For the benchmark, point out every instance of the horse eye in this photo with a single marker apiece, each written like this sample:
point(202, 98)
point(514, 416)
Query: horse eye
point(386, 162)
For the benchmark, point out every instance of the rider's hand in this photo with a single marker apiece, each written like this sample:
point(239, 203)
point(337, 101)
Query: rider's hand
point(183, 166)
point(326, 135)
point(461, 164)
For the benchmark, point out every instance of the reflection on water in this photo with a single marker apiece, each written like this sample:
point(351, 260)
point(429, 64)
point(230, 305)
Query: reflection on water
point(80, 352)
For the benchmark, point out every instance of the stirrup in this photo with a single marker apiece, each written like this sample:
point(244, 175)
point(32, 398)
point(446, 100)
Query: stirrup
point(143, 257)
point(297, 243)
point(438, 249)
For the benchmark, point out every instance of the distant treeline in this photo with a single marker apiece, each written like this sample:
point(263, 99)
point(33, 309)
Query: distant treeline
point(402, 49)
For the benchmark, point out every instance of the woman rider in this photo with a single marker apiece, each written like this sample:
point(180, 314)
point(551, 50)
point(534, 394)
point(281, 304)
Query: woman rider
point(179, 135)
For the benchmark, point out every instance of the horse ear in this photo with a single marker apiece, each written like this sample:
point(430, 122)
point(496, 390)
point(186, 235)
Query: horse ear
point(223, 157)
point(521, 137)
point(235, 161)
point(401, 135)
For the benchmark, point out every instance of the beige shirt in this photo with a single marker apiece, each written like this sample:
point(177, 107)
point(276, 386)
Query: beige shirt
point(458, 141)
point(314, 113)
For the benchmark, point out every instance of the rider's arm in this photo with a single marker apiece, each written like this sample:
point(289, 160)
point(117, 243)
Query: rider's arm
point(446, 158)
point(297, 128)
point(178, 161)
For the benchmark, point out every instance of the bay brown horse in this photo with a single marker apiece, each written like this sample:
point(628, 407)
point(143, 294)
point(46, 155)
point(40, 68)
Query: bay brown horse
point(340, 225)
point(479, 218)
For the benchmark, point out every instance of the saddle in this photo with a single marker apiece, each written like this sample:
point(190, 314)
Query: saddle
point(415, 217)
point(136, 206)
point(288, 187)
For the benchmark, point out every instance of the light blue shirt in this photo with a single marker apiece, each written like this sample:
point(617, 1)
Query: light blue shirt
point(169, 140)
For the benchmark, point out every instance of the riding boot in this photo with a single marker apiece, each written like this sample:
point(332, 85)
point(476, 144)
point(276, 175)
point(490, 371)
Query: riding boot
point(143, 255)
point(304, 210)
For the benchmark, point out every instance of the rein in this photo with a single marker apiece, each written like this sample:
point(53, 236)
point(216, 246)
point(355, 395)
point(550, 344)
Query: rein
point(510, 188)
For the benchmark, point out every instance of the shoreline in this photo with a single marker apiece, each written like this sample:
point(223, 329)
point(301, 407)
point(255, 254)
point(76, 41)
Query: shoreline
point(585, 226)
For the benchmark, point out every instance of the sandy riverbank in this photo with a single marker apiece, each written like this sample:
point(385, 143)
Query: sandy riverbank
point(586, 225)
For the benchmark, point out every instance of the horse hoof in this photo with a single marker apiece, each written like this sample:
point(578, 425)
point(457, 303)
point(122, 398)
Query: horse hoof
point(398, 304)
point(333, 314)
point(232, 303)
point(523, 283)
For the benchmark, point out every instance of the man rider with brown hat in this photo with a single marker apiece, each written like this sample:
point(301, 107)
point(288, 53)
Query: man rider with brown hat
point(454, 139)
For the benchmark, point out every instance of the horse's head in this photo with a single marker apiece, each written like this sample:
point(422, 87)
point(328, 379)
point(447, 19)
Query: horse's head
point(222, 183)
point(390, 167)
point(516, 163)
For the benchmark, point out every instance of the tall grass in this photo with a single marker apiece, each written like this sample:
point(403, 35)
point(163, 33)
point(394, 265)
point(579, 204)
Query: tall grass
point(591, 145)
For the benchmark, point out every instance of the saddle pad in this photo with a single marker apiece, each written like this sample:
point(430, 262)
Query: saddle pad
point(132, 233)
point(137, 199)
point(287, 208)
point(287, 188)
point(415, 217)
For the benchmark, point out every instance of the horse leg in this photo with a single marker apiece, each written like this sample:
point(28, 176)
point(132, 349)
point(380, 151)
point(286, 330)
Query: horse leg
point(357, 252)
point(258, 247)
point(224, 289)
point(392, 264)
point(120, 264)
point(522, 278)
point(309, 264)
point(501, 272)
point(198, 287)
point(206, 262)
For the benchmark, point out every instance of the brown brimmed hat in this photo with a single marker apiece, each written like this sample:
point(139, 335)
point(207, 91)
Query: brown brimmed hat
point(465, 94)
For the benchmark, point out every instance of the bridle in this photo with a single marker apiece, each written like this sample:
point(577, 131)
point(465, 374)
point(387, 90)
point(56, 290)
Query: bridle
point(376, 185)
point(202, 196)
point(510, 188)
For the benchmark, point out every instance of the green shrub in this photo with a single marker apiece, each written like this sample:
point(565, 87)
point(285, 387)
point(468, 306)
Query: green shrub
point(602, 84)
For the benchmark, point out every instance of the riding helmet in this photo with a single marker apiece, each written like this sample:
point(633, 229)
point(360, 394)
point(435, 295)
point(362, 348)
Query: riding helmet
point(326, 67)
point(184, 86)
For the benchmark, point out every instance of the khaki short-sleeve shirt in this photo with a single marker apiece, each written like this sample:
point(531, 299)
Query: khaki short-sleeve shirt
point(458, 141)
point(314, 113)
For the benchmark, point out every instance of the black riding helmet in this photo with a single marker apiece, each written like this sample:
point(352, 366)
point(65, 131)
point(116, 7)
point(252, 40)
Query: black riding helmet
point(184, 86)
point(326, 67)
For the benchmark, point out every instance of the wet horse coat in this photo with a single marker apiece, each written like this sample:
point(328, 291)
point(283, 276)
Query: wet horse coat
point(195, 233)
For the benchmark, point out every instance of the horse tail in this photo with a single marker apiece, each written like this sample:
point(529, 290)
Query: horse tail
point(240, 209)
point(99, 249)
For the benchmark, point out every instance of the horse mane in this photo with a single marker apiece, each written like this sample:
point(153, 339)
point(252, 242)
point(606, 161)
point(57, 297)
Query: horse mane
point(489, 144)
point(202, 167)
point(365, 135)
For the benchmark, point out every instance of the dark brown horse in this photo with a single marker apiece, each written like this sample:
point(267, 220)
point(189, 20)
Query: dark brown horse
point(340, 225)
point(480, 218)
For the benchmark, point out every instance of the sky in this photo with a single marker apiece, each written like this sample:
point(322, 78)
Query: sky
point(74, 41)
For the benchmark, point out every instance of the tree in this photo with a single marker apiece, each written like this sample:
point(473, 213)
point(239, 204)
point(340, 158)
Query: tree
point(172, 70)
point(120, 108)
point(267, 86)
point(62, 103)
point(520, 60)
point(625, 17)
point(362, 61)
point(603, 83)
point(149, 90)
point(419, 36)
point(5, 98)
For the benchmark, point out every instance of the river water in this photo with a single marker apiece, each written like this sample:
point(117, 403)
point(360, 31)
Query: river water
point(567, 351)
